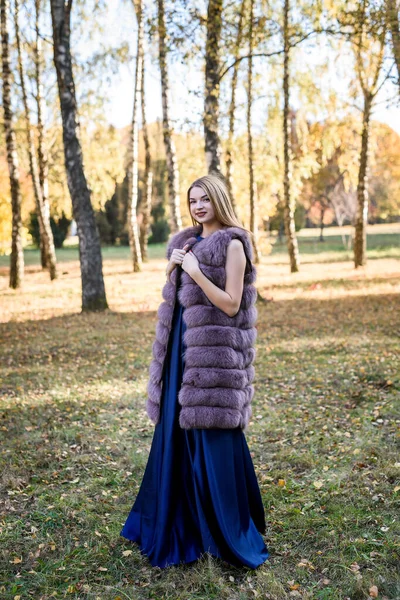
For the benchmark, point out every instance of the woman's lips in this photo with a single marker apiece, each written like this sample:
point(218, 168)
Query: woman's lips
point(200, 214)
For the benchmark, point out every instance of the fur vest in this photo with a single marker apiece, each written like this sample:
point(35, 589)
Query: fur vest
point(216, 390)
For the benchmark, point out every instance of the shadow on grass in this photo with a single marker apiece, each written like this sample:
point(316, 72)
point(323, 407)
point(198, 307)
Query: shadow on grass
point(86, 348)
point(76, 439)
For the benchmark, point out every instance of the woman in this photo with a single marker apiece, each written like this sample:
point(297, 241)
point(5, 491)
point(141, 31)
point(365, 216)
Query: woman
point(199, 492)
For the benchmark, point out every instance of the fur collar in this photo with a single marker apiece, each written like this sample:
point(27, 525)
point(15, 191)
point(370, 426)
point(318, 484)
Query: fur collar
point(212, 245)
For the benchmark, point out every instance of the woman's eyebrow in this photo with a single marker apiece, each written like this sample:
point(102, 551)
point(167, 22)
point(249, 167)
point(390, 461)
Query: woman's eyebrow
point(205, 196)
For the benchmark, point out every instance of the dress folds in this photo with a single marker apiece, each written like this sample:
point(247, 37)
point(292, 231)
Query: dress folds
point(199, 491)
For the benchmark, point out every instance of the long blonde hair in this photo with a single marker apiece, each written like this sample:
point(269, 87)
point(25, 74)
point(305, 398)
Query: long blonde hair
point(218, 193)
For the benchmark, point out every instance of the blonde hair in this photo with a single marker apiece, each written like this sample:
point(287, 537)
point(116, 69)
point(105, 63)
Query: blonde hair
point(218, 194)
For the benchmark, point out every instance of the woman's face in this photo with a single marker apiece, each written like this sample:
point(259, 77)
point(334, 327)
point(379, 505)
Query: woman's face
point(201, 207)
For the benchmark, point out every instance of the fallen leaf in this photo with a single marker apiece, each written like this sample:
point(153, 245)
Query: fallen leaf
point(127, 553)
point(373, 591)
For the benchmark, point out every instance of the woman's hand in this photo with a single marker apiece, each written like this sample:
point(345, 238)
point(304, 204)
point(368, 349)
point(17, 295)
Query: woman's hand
point(177, 257)
point(190, 264)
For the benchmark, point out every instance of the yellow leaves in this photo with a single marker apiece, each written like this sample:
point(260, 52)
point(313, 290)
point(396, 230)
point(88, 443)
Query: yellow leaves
point(396, 489)
point(16, 560)
point(292, 585)
point(281, 482)
point(102, 569)
point(318, 484)
point(127, 552)
point(305, 563)
point(373, 591)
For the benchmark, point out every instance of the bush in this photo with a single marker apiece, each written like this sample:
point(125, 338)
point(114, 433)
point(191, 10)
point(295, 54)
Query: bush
point(160, 229)
point(104, 228)
point(59, 229)
point(276, 221)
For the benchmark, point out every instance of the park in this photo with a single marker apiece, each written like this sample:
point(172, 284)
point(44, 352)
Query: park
point(122, 126)
point(324, 431)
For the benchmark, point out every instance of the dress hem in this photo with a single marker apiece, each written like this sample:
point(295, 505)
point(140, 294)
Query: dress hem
point(193, 560)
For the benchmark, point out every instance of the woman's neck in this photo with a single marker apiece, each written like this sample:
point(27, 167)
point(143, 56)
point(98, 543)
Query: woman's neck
point(208, 229)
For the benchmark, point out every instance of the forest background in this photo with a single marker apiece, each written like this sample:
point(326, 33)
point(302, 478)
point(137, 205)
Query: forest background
point(296, 106)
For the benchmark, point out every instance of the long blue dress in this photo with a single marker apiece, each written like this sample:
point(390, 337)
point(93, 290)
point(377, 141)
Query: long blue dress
point(199, 492)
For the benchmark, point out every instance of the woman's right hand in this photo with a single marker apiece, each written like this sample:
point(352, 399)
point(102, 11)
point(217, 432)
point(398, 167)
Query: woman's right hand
point(177, 257)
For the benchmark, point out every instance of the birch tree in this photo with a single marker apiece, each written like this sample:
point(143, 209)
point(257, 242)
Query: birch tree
point(212, 86)
point(93, 290)
point(148, 175)
point(133, 168)
point(288, 200)
point(170, 151)
point(252, 183)
point(47, 256)
point(46, 235)
point(369, 54)
point(392, 10)
point(17, 255)
point(232, 106)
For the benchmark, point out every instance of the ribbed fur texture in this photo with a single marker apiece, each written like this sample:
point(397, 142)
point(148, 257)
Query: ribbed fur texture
point(217, 388)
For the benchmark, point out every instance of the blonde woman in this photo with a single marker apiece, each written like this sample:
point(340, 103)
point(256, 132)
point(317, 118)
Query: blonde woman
point(199, 492)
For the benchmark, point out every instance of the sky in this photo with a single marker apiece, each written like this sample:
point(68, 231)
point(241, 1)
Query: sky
point(186, 104)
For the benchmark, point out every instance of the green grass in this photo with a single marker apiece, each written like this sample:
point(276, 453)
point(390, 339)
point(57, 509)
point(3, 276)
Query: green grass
point(383, 241)
point(324, 437)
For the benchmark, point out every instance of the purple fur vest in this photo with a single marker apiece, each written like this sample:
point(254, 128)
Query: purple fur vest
point(216, 390)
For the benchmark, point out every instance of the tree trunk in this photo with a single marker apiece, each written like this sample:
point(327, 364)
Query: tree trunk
point(394, 26)
point(148, 177)
point(288, 203)
point(321, 226)
point(360, 232)
point(212, 71)
point(232, 107)
point(48, 254)
point(17, 255)
point(133, 167)
point(46, 235)
point(252, 183)
point(172, 166)
point(93, 291)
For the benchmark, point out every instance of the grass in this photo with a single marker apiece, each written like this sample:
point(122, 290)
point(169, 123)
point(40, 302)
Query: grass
point(324, 434)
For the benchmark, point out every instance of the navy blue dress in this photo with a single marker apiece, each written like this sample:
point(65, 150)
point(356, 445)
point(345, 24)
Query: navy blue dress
point(199, 491)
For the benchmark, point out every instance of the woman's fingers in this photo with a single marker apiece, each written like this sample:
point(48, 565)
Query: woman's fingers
point(178, 255)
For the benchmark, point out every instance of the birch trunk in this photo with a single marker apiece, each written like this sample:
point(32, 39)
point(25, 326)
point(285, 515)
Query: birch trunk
point(253, 189)
point(93, 291)
point(48, 257)
point(172, 165)
point(288, 203)
point(133, 178)
point(17, 255)
point(148, 177)
point(369, 83)
point(360, 230)
point(232, 108)
point(46, 235)
point(392, 9)
point(212, 72)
